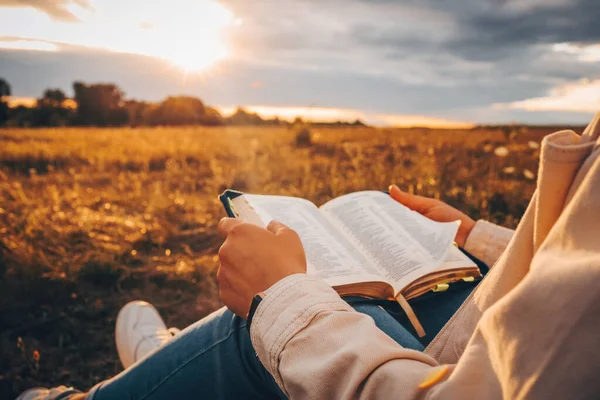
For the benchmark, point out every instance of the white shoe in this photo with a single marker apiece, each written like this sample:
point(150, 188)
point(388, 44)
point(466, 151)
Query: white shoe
point(45, 394)
point(139, 331)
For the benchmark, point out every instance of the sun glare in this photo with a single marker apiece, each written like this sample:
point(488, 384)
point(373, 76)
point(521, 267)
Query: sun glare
point(189, 34)
point(195, 35)
point(326, 114)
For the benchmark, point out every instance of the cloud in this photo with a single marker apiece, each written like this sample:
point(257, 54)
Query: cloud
point(485, 30)
point(29, 73)
point(420, 42)
point(55, 9)
point(499, 31)
point(582, 96)
point(585, 53)
point(450, 59)
point(146, 26)
point(16, 43)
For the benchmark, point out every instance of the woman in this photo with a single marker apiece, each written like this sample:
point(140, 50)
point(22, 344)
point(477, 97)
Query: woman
point(528, 330)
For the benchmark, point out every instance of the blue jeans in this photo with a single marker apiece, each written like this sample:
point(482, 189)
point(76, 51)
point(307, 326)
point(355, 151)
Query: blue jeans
point(214, 358)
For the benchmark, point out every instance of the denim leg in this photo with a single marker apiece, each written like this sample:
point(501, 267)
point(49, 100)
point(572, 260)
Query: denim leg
point(433, 311)
point(211, 359)
point(214, 359)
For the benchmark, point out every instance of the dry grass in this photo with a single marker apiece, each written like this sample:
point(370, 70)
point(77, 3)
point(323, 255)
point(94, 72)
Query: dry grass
point(92, 218)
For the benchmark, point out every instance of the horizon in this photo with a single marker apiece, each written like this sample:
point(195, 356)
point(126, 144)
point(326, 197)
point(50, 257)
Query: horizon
point(326, 115)
point(308, 114)
point(386, 63)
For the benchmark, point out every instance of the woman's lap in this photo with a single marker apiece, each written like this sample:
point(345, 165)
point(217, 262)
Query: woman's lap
point(433, 311)
point(214, 357)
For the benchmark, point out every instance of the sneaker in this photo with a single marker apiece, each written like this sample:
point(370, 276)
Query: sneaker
point(56, 393)
point(139, 331)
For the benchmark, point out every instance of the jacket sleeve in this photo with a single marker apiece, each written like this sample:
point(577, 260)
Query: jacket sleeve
point(530, 345)
point(317, 347)
point(487, 241)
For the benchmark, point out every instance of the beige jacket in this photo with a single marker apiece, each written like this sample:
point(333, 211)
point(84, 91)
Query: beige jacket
point(530, 330)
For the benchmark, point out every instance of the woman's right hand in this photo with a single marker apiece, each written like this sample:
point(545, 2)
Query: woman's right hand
point(436, 210)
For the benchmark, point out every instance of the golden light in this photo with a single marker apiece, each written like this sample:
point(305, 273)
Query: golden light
point(198, 61)
point(190, 34)
point(328, 114)
point(193, 37)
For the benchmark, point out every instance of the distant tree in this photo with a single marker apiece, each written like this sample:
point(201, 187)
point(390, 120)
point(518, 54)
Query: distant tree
point(137, 112)
point(4, 89)
point(53, 98)
point(298, 121)
point(20, 116)
point(243, 117)
point(212, 117)
point(183, 110)
point(51, 109)
point(4, 92)
point(99, 104)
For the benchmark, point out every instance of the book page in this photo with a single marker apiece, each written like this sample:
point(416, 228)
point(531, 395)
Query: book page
point(456, 259)
point(404, 244)
point(329, 254)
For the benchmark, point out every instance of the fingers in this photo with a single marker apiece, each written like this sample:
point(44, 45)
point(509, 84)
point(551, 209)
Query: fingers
point(276, 227)
point(283, 231)
point(226, 225)
point(401, 196)
point(414, 202)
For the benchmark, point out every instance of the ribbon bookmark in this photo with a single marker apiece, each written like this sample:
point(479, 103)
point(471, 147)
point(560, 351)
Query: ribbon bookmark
point(412, 317)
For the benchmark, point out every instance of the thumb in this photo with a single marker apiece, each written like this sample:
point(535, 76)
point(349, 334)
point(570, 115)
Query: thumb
point(277, 227)
point(414, 202)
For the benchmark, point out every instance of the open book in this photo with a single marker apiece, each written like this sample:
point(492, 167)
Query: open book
point(364, 243)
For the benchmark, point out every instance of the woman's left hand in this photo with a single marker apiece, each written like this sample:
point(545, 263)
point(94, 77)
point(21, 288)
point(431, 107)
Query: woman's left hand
point(435, 210)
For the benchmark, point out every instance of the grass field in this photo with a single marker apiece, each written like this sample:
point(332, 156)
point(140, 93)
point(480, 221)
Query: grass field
point(93, 218)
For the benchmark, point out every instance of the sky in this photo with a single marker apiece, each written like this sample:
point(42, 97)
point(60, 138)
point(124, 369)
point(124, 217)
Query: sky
point(435, 62)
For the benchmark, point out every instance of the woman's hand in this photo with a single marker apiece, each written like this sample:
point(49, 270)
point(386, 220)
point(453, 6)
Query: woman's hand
point(253, 259)
point(436, 210)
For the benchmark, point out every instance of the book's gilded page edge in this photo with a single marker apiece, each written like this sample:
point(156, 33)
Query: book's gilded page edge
point(428, 282)
point(374, 289)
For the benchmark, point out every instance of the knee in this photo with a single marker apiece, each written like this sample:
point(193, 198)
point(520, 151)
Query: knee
point(221, 322)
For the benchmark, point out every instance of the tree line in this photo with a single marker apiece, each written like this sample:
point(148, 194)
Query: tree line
point(104, 105)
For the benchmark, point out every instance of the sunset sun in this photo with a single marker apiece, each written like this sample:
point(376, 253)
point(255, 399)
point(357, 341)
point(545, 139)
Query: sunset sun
point(194, 37)
point(196, 55)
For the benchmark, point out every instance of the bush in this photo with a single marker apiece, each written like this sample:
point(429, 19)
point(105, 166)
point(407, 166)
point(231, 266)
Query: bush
point(303, 137)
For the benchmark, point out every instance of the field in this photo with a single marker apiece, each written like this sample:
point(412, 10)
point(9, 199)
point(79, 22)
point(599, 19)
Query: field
point(93, 218)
